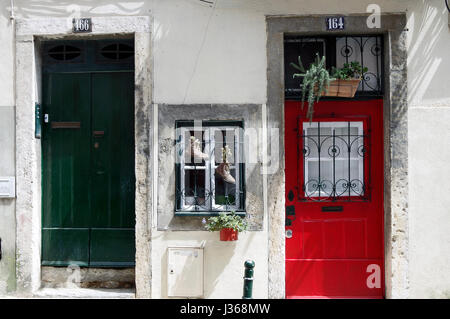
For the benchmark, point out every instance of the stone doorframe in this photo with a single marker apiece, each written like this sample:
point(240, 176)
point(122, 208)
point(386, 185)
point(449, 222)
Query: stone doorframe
point(28, 148)
point(395, 140)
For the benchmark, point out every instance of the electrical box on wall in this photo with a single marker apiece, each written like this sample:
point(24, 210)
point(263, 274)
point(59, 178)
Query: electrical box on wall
point(7, 187)
point(185, 272)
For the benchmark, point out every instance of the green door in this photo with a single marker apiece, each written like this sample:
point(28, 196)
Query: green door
point(88, 169)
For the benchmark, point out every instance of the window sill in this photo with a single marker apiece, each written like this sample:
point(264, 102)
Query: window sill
point(205, 213)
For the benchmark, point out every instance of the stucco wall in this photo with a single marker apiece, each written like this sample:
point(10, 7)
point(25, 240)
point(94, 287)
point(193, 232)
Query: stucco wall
point(223, 262)
point(217, 54)
point(429, 133)
point(7, 154)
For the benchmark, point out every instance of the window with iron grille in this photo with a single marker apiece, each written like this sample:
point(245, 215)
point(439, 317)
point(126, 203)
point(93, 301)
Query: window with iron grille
point(209, 167)
point(334, 158)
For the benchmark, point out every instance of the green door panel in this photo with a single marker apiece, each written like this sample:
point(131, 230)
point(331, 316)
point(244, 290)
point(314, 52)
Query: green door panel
point(113, 150)
point(88, 169)
point(112, 247)
point(65, 247)
point(66, 151)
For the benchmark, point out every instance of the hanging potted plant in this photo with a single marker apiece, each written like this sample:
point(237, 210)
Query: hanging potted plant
point(229, 225)
point(317, 81)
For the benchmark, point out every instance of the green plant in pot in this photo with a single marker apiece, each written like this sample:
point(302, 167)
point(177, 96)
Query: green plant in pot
point(349, 71)
point(229, 225)
point(317, 81)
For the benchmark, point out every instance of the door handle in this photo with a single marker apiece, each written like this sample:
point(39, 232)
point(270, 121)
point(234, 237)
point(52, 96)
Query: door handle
point(98, 133)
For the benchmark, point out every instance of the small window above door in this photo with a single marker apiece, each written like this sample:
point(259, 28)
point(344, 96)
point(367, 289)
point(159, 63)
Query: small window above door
point(64, 52)
point(88, 55)
point(367, 50)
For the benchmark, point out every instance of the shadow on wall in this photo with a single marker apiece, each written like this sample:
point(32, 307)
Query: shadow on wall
point(217, 255)
point(428, 49)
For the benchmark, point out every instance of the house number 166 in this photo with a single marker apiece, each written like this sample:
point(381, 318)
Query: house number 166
point(82, 25)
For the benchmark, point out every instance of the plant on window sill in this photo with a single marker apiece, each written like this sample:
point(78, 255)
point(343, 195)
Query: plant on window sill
point(229, 225)
point(318, 82)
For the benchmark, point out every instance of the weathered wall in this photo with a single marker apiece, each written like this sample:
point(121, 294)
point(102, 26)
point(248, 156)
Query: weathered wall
point(7, 154)
point(204, 54)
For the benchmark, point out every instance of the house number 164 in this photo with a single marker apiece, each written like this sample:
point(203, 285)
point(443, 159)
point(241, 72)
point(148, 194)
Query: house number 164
point(335, 23)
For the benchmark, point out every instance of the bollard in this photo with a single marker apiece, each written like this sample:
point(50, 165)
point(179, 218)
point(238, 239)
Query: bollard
point(248, 279)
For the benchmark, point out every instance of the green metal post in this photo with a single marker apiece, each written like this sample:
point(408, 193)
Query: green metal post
point(248, 279)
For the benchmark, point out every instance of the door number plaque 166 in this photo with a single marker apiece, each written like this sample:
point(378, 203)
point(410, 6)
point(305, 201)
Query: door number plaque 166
point(82, 25)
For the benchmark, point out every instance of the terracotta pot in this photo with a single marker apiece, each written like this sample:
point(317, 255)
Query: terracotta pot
point(228, 234)
point(342, 88)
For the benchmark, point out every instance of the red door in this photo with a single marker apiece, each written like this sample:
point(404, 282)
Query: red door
point(334, 200)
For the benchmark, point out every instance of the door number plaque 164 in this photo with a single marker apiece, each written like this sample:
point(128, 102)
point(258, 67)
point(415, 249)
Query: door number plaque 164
point(335, 23)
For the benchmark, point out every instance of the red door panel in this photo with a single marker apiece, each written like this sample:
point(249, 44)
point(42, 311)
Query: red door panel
point(334, 200)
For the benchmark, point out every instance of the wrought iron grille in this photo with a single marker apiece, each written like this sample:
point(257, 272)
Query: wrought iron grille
point(367, 50)
point(335, 160)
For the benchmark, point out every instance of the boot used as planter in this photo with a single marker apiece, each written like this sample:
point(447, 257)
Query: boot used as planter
point(228, 234)
point(224, 168)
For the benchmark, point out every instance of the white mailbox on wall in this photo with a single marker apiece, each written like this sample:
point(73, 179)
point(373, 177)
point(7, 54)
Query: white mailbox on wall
point(185, 272)
point(7, 187)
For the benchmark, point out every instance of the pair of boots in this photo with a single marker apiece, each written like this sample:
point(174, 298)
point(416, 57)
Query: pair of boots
point(223, 169)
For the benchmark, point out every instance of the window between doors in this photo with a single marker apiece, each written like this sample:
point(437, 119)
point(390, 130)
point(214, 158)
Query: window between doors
point(210, 174)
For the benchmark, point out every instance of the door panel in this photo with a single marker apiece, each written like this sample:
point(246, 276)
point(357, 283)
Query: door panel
point(113, 169)
point(113, 150)
point(112, 247)
point(64, 246)
point(66, 151)
point(88, 169)
point(337, 229)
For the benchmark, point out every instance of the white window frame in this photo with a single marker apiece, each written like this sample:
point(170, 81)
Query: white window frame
point(209, 167)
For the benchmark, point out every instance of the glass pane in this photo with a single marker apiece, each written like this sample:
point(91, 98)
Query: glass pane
point(312, 139)
point(225, 186)
point(194, 187)
point(340, 148)
point(322, 183)
point(195, 146)
point(224, 148)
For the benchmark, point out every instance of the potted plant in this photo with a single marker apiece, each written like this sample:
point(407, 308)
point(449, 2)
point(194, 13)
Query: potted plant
point(229, 225)
point(317, 81)
point(346, 80)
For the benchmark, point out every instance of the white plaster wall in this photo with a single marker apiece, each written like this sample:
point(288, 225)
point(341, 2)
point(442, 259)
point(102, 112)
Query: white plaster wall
point(217, 55)
point(429, 202)
point(7, 153)
point(429, 151)
point(223, 262)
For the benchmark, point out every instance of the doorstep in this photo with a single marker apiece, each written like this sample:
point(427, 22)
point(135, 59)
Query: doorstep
point(84, 293)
